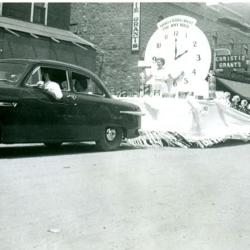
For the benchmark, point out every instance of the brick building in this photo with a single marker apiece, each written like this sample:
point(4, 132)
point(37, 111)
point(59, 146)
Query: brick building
point(109, 26)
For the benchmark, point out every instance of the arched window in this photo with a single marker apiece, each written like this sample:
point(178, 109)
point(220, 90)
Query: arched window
point(215, 40)
point(245, 49)
point(231, 45)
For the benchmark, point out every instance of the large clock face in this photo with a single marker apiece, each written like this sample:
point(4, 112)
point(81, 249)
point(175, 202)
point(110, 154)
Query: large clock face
point(184, 49)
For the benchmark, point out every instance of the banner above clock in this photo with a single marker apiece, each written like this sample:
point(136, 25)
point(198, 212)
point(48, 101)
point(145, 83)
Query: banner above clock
point(175, 21)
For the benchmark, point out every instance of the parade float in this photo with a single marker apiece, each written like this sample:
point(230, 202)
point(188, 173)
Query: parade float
point(179, 101)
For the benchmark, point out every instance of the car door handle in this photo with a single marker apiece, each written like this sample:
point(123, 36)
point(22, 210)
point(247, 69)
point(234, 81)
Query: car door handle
point(71, 96)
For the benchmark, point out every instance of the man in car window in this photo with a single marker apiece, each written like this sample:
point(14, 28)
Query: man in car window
point(50, 87)
point(81, 85)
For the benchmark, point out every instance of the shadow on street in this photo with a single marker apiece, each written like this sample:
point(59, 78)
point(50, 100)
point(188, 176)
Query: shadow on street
point(37, 150)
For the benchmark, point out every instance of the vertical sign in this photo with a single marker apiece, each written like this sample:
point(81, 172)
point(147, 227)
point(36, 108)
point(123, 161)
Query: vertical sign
point(135, 27)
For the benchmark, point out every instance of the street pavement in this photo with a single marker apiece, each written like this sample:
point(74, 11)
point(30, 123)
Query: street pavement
point(76, 198)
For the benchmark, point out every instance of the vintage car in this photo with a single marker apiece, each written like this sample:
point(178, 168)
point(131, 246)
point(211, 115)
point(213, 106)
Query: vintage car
point(86, 112)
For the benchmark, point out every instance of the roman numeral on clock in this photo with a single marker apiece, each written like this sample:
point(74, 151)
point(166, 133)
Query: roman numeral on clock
point(158, 45)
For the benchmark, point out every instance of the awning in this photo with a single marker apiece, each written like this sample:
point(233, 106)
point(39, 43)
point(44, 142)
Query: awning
point(37, 30)
point(240, 88)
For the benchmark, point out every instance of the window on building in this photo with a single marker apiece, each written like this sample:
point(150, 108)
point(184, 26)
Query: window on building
point(215, 40)
point(39, 13)
point(231, 45)
point(245, 49)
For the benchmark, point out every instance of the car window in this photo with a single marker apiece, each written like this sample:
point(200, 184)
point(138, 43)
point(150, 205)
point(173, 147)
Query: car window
point(86, 85)
point(80, 83)
point(56, 75)
point(11, 72)
point(94, 88)
point(34, 78)
point(59, 76)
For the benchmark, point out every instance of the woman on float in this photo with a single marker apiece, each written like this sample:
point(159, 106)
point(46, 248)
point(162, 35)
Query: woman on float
point(161, 82)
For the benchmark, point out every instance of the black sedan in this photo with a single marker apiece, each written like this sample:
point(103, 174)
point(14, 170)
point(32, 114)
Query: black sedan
point(85, 112)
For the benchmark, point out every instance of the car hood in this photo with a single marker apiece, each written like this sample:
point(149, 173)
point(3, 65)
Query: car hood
point(124, 105)
point(5, 84)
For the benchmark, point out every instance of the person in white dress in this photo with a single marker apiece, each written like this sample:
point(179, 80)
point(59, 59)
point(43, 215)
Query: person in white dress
point(157, 78)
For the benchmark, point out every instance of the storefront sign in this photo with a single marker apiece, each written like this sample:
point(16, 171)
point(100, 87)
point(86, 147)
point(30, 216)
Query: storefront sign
point(136, 27)
point(230, 61)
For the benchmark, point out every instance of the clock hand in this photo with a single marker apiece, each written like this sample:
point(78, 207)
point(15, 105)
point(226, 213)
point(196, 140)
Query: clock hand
point(183, 53)
point(175, 48)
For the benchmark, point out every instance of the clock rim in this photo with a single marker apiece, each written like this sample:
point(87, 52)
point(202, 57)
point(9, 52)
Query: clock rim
point(160, 33)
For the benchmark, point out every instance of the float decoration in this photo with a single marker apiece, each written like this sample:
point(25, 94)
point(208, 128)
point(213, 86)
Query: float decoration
point(182, 107)
point(191, 123)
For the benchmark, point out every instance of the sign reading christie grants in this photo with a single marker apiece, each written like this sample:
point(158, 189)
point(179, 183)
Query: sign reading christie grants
point(230, 62)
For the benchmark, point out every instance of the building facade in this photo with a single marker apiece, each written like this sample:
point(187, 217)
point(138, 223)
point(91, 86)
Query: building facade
point(55, 15)
point(109, 25)
point(41, 30)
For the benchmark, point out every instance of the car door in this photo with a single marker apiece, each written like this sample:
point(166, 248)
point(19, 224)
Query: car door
point(93, 105)
point(43, 118)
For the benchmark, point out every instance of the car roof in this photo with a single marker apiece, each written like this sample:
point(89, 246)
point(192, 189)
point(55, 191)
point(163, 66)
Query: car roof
point(55, 63)
point(44, 61)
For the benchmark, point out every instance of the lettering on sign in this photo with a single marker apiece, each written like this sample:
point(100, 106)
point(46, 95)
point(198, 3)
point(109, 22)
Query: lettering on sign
point(176, 21)
point(230, 61)
point(135, 27)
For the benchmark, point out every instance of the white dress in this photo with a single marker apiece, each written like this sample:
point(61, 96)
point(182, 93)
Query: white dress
point(158, 79)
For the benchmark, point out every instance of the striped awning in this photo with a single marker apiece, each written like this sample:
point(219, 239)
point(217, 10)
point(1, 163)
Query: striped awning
point(241, 88)
point(37, 30)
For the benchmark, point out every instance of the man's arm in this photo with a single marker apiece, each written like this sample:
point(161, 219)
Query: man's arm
point(178, 78)
point(53, 88)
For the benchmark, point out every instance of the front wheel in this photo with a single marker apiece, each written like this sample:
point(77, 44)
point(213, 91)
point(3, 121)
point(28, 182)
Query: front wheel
point(110, 139)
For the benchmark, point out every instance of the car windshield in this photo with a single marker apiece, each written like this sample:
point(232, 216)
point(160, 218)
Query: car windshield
point(11, 72)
